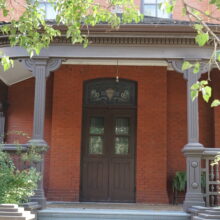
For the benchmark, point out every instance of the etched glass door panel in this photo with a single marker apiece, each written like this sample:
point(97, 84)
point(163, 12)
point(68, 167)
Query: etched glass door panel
point(96, 132)
point(122, 136)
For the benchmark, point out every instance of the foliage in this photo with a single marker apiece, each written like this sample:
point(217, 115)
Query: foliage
point(179, 181)
point(204, 35)
point(216, 160)
point(32, 32)
point(18, 185)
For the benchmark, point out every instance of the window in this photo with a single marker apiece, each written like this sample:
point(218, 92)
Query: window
point(110, 92)
point(50, 13)
point(152, 8)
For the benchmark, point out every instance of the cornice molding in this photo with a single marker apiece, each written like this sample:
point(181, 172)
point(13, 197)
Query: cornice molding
point(127, 40)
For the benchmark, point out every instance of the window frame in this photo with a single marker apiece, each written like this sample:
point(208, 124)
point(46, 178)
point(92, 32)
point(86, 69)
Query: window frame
point(46, 3)
point(157, 5)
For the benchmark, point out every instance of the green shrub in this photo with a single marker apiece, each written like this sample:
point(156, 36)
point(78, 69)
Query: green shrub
point(179, 181)
point(16, 186)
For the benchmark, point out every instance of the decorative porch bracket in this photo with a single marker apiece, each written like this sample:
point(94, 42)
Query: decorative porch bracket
point(193, 149)
point(40, 68)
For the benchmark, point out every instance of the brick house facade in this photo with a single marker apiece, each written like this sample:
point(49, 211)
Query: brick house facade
point(161, 113)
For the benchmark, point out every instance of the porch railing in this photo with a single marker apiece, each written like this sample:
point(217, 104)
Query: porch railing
point(13, 150)
point(210, 177)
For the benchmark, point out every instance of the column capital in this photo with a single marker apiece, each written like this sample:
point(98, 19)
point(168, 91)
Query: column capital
point(50, 64)
point(177, 66)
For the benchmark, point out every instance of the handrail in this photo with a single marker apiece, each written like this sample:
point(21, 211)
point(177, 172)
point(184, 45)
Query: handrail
point(14, 147)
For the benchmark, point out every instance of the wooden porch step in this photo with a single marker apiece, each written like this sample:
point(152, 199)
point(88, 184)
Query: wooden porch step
point(109, 214)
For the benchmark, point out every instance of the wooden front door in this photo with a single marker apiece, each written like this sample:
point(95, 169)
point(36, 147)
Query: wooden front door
point(108, 155)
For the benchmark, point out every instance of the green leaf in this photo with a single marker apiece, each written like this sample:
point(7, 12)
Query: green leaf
point(206, 93)
point(203, 82)
point(215, 103)
point(202, 38)
point(196, 67)
point(7, 63)
point(198, 27)
point(186, 65)
point(194, 94)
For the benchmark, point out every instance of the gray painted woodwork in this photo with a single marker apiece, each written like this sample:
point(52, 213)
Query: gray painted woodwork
point(117, 52)
point(193, 149)
point(2, 127)
point(41, 68)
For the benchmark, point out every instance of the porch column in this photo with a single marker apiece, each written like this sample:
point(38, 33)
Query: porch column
point(40, 68)
point(193, 149)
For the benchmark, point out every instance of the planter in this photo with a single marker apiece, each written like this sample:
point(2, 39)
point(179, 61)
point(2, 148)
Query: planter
point(13, 212)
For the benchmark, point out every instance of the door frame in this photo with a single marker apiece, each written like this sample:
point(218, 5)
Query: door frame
point(109, 107)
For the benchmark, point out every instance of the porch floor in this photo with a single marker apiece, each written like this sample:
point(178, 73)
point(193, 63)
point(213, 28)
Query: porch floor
point(126, 206)
point(111, 211)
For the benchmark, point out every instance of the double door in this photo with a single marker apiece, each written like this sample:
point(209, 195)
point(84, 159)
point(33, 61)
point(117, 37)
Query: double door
point(108, 155)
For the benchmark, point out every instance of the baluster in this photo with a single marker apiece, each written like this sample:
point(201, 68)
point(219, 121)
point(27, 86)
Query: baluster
point(217, 172)
point(212, 175)
point(207, 182)
point(212, 200)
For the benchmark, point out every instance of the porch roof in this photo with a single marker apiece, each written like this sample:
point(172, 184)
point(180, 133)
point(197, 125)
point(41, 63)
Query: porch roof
point(152, 39)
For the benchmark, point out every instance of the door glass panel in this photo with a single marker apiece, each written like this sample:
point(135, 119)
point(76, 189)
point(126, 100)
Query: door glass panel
point(122, 126)
point(97, 125)
point(121, 145)
point(95, 145)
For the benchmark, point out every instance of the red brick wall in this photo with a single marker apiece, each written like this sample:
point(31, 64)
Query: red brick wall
point(66, 130)
point(176, 126)
point(216, 115)
point(161, 126)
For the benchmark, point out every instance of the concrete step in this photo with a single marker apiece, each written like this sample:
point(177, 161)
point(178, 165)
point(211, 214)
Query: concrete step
point(13, 212)
point(12, 206)
point(208, 216)
point(200, 218)
point(213, 212)
point(11, 209)
point(29, 217)
point(109, 214)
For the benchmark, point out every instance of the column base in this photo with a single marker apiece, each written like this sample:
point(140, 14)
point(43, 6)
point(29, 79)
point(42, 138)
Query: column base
point(193, 199)
point(39, 198)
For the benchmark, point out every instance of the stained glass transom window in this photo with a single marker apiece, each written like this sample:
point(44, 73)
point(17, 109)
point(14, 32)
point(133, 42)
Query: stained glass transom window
point(110, 92)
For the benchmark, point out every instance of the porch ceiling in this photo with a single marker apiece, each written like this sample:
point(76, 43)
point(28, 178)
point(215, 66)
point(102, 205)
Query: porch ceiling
point(16, 74)
point(19, 72)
